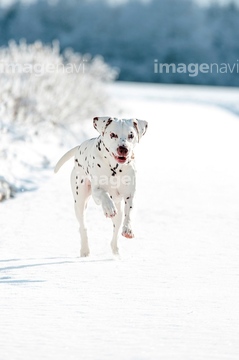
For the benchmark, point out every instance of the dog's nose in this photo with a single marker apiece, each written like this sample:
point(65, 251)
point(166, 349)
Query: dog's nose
point(122, 150)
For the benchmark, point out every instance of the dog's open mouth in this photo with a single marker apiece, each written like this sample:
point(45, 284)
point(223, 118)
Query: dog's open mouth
point(120, 159)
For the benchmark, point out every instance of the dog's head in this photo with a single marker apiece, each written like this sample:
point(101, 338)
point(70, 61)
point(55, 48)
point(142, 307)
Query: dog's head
point(120, 135)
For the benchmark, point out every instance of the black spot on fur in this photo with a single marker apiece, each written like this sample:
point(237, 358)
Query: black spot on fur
point(99, 165)
point(109, 121)
point(114, 170)
point(95, 122)
point(82, 181)
point(105, 147)
point(98, 145)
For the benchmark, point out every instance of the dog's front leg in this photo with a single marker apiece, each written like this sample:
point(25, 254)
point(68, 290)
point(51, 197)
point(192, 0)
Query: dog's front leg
point(117, 221)
point(127, 227)
point(102, 197)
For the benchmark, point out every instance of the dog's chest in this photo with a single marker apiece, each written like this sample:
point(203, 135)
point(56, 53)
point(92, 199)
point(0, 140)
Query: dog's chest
point(93, 161)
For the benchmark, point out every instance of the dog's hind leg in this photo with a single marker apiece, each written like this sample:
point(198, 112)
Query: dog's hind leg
point(81, 189)
point(117, 221)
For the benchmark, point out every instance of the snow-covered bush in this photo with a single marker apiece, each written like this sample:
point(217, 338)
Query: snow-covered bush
point(43, 94)
point(38, 84)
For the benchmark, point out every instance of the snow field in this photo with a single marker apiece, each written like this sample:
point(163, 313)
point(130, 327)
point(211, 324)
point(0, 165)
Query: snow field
point(173, 293)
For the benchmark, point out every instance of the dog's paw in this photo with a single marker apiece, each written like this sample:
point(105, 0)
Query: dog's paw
point(109, 208)
point(115, 249)
point(127, 232)
point(84, 252)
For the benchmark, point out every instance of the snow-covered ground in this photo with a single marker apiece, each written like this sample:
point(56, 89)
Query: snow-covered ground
point(174, 292)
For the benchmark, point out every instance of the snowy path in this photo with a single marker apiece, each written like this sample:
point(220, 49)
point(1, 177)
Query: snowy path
point(173, 294)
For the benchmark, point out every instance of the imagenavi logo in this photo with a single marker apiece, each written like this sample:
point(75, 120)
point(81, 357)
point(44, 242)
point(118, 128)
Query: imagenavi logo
point(195, 69)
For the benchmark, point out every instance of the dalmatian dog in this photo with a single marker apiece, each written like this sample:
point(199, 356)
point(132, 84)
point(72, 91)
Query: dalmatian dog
point(105, 168)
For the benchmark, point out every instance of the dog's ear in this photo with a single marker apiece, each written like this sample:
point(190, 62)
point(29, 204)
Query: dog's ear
point(101, 123)
point(140, 126)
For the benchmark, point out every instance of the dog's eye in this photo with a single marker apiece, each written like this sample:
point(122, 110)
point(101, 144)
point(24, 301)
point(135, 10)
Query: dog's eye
point(112, 135)
point(131, 136)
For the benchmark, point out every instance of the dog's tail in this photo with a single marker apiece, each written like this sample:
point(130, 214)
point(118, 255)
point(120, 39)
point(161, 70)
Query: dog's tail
point(65, 158)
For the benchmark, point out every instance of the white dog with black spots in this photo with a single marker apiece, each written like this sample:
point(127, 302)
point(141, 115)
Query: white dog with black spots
point(105, 168)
